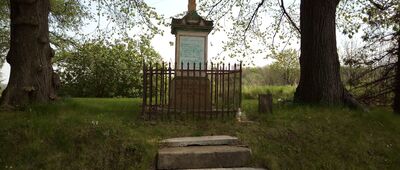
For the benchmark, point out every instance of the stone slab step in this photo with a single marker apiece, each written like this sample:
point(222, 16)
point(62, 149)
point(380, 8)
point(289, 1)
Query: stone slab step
point(193, 157)
point(244, 168)
point(200, 141)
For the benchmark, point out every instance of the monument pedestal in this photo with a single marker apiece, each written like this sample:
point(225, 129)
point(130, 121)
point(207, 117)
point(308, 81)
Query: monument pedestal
point(190, 93)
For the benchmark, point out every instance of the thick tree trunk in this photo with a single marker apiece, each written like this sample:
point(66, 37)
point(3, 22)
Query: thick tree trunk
point(320, 80)
point(31, 78)
point(396, 103)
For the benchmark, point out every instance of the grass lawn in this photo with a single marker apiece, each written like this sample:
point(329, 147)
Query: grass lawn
point(107, 134)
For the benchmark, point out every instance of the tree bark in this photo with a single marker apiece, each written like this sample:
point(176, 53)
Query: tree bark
point(320, 80)
point(32, 78)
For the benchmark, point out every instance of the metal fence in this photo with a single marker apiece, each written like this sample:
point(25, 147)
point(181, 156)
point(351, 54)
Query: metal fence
point(194, 91)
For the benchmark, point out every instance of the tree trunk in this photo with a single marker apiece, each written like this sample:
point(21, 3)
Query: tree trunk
point(320, 80)
point(31, 78)
point(396, 103)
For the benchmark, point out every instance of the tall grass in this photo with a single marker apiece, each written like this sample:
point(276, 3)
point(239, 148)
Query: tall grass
point(107, 134)
point(279, 93)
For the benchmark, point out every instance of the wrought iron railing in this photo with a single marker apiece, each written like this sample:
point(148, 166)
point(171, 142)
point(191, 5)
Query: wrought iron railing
point(191, 91)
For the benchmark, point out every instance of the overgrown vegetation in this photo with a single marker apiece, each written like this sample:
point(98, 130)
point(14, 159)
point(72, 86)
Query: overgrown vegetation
point(101, 69)
point(279, 93)
point(107, 134)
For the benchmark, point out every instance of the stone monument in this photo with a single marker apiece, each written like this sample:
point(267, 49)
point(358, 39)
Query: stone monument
point(191, 89)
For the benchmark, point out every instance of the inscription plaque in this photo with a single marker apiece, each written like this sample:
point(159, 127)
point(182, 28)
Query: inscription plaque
point(191, 50)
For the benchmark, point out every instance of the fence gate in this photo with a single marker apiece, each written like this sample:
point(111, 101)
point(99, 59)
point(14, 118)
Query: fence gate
point(191, 91)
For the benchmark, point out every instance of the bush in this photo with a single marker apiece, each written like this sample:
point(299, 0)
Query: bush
point(97, 69)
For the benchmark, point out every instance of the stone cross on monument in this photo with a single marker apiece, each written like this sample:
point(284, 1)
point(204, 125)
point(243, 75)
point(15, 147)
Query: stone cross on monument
point(191, 33)
point(192, 5)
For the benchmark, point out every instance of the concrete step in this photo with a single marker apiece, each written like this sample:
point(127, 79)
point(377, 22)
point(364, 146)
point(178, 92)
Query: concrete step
point(200, 141)
point(243, 168)
point(193, 157)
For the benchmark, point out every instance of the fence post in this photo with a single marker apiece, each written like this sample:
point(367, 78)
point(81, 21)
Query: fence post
point(212, 89)
point(229, 84)
point(144, 102)
point(234, 87)
point(151, 90)
point(169, 90)
point(240, 87)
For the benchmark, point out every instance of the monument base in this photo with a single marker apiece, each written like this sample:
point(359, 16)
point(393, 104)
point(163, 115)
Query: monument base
point(190, 94)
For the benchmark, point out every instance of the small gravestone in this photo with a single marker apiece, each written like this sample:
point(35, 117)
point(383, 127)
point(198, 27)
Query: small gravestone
point(265, 103)
point(191, 89)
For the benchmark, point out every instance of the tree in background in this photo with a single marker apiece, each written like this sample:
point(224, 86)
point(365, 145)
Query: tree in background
point(379, 56)
point(287, 64)
point(320, 80)
point(99, 69)
point(32, 78)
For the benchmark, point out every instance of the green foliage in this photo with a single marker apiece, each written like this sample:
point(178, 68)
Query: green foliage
point(67, 17)
point(4, 30)
point(279, 93)
point(126, 16)
point(107, 134)
point(287, 63)
point(376, 58)
point(252, 27)
point(275, 75)
point(104, 70)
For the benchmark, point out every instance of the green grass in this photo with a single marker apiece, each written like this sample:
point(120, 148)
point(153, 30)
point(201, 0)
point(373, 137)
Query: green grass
point(279, 93)
point(107, 134)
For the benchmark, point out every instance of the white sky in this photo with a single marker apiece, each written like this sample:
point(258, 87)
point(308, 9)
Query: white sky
point(161, 44)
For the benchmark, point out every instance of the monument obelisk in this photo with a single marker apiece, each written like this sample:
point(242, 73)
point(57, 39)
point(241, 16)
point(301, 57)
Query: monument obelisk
point(191, 89)
point(191, 34)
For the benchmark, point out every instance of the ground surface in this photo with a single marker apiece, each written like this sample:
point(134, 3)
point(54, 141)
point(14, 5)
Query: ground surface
point(107, 134)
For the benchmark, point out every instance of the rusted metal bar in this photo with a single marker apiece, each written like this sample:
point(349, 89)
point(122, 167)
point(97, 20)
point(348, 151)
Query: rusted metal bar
point(165, 87)
point(181, 87)
point(186, 86)
point(223, 90)
point(193, 92)
point(234, 87)
point(240, 87)
point(205, 107)
point(217, 78)
point(156, 91)
point(144, 102)
point(151, 91)
point(229, 99)
point(162, 84)
point(199, 92)
point(169, 90)
point(211, 90)
point(175, 84)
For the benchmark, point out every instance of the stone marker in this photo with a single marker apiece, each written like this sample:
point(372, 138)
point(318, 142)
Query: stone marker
point(200, 141)
point(190, 90)
point(265, 103)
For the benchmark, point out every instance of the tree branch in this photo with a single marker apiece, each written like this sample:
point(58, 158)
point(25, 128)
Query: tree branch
point(212, 8)
point(288, 17)
point(254, 16)
point(379, 6)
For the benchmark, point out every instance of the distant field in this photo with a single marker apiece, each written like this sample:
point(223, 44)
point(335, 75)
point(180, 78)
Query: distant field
point(107, 134)
point(279, 93)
